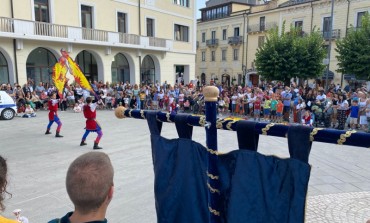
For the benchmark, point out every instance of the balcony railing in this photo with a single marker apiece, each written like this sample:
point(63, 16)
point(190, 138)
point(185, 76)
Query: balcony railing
point(26, 29)
point(6, 25)
point(334, 35)
point(129, 38)
point(47, 29)
point(93, 34)
point(157, 42)
point(235, 40)
point(212, 42)
point(261, 27)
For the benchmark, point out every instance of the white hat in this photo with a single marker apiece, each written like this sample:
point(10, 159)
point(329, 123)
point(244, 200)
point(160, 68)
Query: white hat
point(17, 210)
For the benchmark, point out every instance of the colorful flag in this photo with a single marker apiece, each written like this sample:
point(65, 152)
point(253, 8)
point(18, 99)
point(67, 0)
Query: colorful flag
point(59, 76)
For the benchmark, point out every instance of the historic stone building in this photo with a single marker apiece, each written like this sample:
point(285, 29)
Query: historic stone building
point(257, 18)
point(118, 40)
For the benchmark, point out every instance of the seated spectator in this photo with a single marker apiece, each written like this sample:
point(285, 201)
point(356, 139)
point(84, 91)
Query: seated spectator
point(71, 99)
point(101, 103)
point(108, 101)
point(29, 112)
point(36, 100)
point(3, 192)
point(90, 187)
point(44, 99)
point(77, 108)
point(307, 119)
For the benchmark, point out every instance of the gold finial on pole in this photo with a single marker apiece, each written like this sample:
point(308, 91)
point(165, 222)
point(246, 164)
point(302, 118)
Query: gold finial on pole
point(120, 112)
point(211, 93)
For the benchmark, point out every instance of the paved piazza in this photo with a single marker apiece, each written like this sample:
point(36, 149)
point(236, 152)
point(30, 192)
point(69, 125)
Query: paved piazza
point(339, 189)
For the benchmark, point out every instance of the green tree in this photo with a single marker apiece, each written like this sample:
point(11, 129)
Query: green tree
point(290, 55)
point(354, 51)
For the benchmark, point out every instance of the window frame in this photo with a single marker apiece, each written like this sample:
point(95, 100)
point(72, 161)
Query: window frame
point(203, 56)
point(126, 21)
point(236, 54)
point(203, 37)
point(93, 14)
point(181, 3)
point(153, 26)
point(224, 34)
point(182, 29)
point(223, 55)
point(213, 55)
point(40, 11)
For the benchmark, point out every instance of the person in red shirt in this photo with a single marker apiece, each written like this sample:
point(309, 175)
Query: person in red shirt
point(53, 115)
point(257, 108)
point(91, 124)
point(279, 110)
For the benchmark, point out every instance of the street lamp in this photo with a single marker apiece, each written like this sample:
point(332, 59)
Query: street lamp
point(330, 39)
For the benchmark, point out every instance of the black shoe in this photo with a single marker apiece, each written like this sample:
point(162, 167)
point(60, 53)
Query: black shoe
point(96, 146)
point(47, 132)
point(83, 143)
point(58, 136)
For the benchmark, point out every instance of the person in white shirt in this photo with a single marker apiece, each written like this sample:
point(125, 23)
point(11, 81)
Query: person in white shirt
point(321, 97)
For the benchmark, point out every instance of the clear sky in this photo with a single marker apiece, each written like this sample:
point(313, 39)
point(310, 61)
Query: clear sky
point(200, 4)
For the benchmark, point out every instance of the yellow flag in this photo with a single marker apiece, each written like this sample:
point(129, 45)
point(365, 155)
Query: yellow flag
point(78, 75)
point(59, 77)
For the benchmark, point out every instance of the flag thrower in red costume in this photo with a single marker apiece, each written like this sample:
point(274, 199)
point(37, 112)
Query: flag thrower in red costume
point(91, 124)
point(53, 115)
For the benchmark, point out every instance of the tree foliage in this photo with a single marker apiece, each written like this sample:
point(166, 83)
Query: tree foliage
point(354, 51)
point(291, 55)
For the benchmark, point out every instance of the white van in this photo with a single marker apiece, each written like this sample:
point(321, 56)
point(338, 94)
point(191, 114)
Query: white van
point(8, 109)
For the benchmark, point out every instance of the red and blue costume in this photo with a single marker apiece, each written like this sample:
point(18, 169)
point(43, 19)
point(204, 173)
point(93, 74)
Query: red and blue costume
point(53, 116)
point(92, 125)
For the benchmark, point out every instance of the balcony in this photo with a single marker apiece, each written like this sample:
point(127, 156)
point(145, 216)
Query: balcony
point(257, 28)
point(212, 42)
point(334, 35)
point(235, 40)
point(25, 29)
point(157, 42)
point(129, 38)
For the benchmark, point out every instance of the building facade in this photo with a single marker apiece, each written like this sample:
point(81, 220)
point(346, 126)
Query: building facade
point(307, 15)
point(111, 40)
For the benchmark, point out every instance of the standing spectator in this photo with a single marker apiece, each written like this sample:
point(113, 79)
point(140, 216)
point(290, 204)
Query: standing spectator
point(234, 99)
point(274, 103)
point(267, 108)
point(300, 109)
point(355, 110)
point(90, 187)
point(257, 109)
point(279, 111)
point(363, 101)
point(3, 191)
point(342, 109)
point(286, 97)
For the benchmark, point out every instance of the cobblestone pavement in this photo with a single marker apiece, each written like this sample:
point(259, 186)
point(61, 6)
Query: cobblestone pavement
point(339, 208)
point(338, 189)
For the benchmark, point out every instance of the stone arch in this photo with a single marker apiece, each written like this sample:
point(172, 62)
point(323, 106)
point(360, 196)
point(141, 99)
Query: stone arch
point(92, 73)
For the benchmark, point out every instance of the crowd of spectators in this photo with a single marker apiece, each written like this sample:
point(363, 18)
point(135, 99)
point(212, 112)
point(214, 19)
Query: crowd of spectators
point(307, 104)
